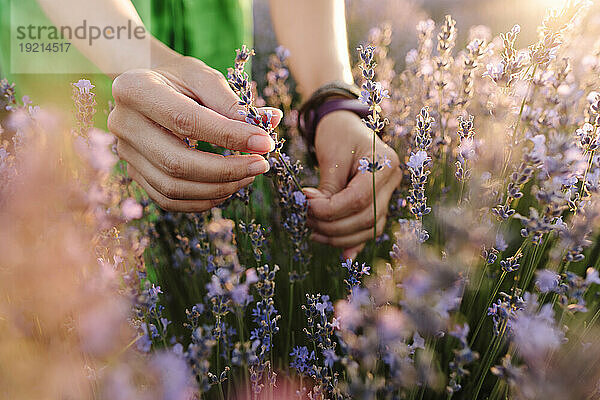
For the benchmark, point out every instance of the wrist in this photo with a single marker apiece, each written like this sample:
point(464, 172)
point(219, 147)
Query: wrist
point(342, 125)
point(161, 54)
point(330, 98)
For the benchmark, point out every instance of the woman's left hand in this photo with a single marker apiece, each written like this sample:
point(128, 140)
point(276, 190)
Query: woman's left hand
point(341, 209)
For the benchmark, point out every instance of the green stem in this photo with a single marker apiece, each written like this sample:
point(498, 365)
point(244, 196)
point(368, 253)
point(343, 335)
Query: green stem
point(162, 332)
point(478, 288)
point(221, 394)
point(589, 166)
point(591, 323)
point(489, 303)
point(289, 325)
point(289, 170)
point(218, 371)
point(430, 345)
point(498, 389)
point(537, 255)
point(442, 134)
point(489, 359)
point(562, 268)
point(374, 198)
point(242, 338)
point(520, 115)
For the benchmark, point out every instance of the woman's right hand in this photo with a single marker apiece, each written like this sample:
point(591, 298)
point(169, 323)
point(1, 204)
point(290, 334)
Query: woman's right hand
point(157, 108)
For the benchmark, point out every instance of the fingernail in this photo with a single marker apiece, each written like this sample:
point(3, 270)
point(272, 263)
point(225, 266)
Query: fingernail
point(318, 238)
point(260, 144)
point(258, 167)
point(352, 255)
point(311, 192)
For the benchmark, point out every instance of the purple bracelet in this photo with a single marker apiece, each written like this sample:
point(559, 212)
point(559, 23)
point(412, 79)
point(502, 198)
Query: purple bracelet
point(313, 117)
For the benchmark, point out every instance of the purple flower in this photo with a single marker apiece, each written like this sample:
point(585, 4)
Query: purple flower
point(449, 300)
point(418, 159)
point(239, 294)
point(302, 360)
point(364, 97)
point(84, 85)
point(348, 313)
point(335, 323)
point(282, 53)
point(214, 287)
point(364, 165)
point(321, 307)
point(547, 280)
point(131, 209)
point(501, 244)
point(355, 273)
point(494, 71)
point(592, 276)
point(175, 377)
point(100, 155)
point(461, 332)
point(535, 333)
point(144, 343)
point(539, 147)
point(330, 357)
point(418, 342)
point(386, 162)
point(299, 198)
point(416, 285)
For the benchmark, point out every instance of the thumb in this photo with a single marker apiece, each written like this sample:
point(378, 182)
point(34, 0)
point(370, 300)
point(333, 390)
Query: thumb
point(352, 252)
point(210, 87)
point(314, 193)
point(333, 180)
point(334, 177)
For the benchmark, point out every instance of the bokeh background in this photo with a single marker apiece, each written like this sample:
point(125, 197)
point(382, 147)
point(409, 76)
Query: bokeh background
point(362, 15)
point(403, 15)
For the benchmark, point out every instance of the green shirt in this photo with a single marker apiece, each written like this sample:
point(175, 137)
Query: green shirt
point(209, 30)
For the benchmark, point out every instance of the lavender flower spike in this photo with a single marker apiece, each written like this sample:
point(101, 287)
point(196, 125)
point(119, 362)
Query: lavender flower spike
point(372, 94)
point(240, 83)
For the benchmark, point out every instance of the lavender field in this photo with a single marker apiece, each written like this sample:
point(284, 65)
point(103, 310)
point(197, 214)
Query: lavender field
point(481, 282)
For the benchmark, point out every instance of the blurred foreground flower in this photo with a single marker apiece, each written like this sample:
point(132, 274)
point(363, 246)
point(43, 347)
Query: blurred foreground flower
point(64, 255)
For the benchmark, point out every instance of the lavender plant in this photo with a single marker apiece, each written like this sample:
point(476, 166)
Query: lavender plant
point(372, 94)
point(85, 102)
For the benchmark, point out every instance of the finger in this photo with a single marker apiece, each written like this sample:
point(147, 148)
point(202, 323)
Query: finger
point(337, 165)
point(352, 240)
point(334, 175)
point(170, 204)
point(175, 158)
point(210, 88)
point(362, 220)
point(153, 97)
point(175, 188)
point(357, 196)
point(352, 252)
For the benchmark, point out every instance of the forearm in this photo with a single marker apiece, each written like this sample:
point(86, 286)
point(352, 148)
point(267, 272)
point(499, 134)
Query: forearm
point(119, 53)
point(314, 31)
